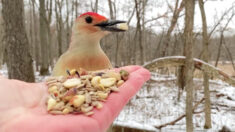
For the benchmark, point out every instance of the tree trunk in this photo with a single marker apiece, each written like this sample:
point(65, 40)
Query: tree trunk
point(189, 66)
point(110, 9)
point(36, 41)
point(219, 49)
point(67, 25)
point(96, 5)
point(2, 47)
point(138, 35)
point(76, 8)
point(117, 49)
point(30, 33)
point(59, 25)
point(207, 106)
point(43, 39)
point(19, 60)
point(230, 56)
point(49, 34)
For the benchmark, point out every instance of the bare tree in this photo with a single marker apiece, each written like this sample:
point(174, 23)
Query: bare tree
point(218, 23)
point(94, 7)
point(222, 40)
point(59, 24)
point(110, 9)
point(43, 39)
point(2, 46)
point(188, 41)
point(68, 29)
point(19, 60)
point(35, 38)
point(76, 8)
point(206, 59)
point(138, 38)
point(48, 19)
point(174, 19)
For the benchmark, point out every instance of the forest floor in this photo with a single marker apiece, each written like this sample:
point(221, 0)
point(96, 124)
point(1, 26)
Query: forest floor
point(157, 103)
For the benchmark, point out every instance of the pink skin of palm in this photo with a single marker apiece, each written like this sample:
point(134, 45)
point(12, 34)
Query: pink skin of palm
point(23, 107)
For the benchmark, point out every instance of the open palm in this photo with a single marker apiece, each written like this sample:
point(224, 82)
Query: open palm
point(23, 109)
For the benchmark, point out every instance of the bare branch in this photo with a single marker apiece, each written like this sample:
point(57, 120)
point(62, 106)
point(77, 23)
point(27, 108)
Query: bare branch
point(220, 20)
point(175, 61)
point(153, 19)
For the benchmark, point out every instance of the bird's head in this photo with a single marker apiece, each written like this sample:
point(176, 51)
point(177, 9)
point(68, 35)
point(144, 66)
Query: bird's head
point(96, 25)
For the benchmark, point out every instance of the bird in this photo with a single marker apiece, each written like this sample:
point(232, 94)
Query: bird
point(84, 49)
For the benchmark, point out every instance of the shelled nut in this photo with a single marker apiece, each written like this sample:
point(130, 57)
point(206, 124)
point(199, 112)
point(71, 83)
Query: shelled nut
point(73, 82)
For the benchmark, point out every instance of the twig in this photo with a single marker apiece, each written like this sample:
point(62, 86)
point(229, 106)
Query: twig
point(180, 117)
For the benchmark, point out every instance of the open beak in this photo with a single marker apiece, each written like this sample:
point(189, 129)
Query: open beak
point(113, 26)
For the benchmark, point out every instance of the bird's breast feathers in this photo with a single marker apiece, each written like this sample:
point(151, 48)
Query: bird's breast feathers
point(87, 62)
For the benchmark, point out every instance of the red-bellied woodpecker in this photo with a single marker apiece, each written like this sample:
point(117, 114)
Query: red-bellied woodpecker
point(84, 50)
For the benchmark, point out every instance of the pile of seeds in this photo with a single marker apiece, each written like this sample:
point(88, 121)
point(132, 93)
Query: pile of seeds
point(81, 91)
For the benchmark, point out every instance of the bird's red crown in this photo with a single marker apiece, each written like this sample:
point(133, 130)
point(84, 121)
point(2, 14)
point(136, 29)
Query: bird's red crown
point(96, 15)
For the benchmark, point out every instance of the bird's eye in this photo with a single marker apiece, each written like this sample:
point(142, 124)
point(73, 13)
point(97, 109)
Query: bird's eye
point(88, 19)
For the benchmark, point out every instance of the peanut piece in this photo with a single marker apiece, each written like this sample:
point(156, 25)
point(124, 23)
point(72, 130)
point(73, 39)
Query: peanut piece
point(102, 95)
point(95, 81)
point(86, 109)
point(123, 26)
point(112, 75)
point(65, 111)
point(59, 106)
point(70, 83)
point(99, 105)
point(50, 104)
point(108, 82)
point(120, 82)
point(101, 87)
point(89, 113)
point(114, 89)
point(77, 100)
point(56, 112)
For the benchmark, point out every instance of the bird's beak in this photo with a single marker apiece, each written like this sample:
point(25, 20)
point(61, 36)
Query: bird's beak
point(113, 25)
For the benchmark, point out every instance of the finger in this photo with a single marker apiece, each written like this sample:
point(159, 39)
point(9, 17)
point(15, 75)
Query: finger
point(129, 69)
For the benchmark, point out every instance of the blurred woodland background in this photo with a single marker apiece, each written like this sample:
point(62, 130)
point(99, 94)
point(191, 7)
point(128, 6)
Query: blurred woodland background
point(151, 34)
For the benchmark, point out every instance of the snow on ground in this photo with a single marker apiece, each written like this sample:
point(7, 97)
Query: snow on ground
point(3, 71)
point(156, 104)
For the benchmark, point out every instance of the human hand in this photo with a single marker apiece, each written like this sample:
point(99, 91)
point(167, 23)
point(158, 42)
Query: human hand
point(23, 107)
